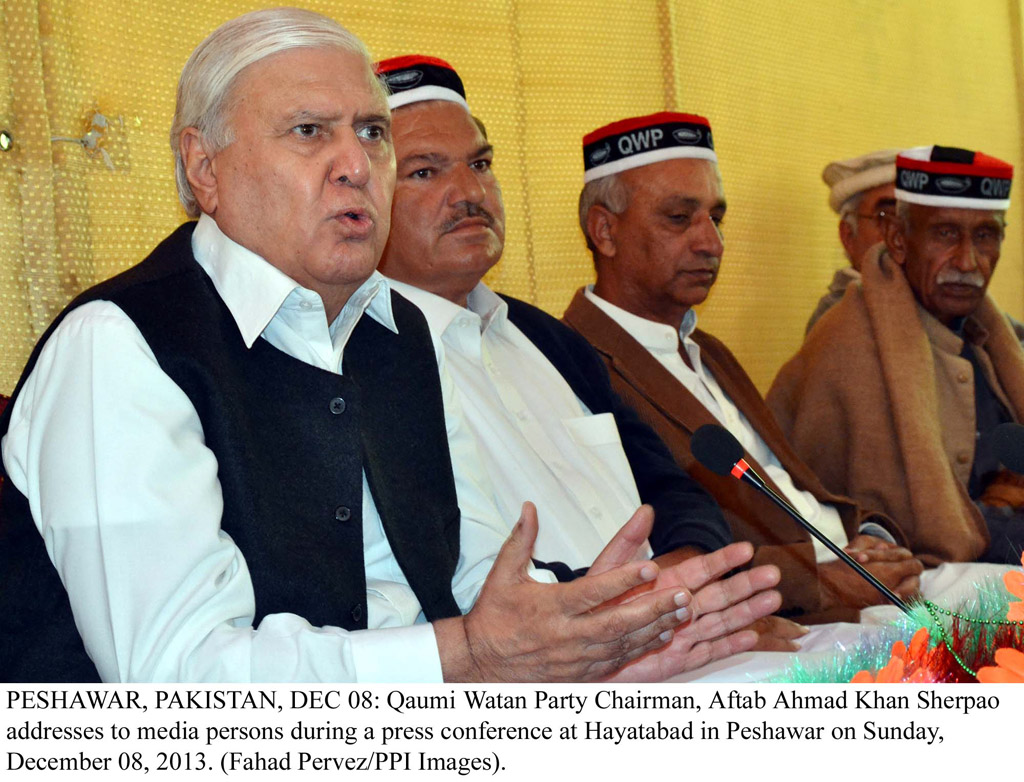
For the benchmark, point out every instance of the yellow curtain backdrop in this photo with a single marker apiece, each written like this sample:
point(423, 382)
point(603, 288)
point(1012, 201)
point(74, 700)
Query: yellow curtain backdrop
point(87, 90)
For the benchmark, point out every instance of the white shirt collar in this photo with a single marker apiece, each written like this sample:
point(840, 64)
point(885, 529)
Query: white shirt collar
point(254, 290)
point(492, 309)
point(440, 313)
point(656, 337)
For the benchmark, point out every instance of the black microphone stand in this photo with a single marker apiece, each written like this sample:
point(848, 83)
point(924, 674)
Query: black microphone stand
point(754, 479)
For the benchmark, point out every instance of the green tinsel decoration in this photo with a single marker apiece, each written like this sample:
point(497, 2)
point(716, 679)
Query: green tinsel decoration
point(969, 633)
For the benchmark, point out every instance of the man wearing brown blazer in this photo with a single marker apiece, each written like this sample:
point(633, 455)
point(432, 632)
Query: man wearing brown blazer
point(650, 211)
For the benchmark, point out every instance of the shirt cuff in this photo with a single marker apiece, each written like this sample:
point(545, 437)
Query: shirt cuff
point(876, 530)
point(397, 655)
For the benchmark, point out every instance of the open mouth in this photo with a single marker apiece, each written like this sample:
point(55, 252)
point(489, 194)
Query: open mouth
point(355, 223)
point(356, 215)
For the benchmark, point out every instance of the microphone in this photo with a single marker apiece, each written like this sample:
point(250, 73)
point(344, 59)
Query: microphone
point(716, 448)
point(1008, 443)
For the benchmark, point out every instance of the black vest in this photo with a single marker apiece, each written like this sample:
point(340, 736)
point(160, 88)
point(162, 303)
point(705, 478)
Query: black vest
point(291, 441)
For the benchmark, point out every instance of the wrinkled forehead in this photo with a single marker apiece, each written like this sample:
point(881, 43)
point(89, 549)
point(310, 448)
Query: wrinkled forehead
point(684, 178)
point(922, 215)
point(438, 126)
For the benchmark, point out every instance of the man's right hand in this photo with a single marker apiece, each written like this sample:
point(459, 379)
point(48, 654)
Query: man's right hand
point(521, 630)
point(777, 634)
point(894, 566)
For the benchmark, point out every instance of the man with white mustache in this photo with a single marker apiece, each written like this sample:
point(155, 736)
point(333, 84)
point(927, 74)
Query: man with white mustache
point(893, 396)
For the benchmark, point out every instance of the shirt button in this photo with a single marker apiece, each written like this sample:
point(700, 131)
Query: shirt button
point(342, 513)
point(357, 612)
point(337, 405)
point(963, 377)
point(963, 458)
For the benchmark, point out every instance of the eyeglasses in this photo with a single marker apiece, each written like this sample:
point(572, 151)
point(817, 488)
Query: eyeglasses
point(878, 217)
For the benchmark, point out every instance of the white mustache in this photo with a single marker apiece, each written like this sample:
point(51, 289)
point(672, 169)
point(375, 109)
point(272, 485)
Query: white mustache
point(953, 277)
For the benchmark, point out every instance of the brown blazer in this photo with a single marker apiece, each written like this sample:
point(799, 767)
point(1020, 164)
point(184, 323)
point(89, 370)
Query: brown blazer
point(663, 403)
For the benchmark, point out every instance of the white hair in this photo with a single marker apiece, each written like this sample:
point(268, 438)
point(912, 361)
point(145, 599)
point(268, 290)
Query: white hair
point(848, 211)
point(609, 192)
point(205, 86)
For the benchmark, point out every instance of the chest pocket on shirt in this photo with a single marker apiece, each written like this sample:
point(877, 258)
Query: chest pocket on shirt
point(611, 487)
point(593, 430)
point(598, 438)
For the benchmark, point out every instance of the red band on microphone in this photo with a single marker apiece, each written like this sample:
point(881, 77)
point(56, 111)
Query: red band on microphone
point(739, 469)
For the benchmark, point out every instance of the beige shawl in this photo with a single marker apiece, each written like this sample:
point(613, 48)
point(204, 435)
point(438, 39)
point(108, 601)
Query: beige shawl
point(885, 412)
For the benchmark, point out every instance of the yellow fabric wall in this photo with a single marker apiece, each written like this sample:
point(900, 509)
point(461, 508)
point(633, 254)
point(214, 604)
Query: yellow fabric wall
point(788, 86)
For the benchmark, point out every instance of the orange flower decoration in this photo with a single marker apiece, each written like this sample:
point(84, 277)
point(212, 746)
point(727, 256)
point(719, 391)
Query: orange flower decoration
point(1009, 668)
point(914, 664)
point(905, 664)
point(1014, 581)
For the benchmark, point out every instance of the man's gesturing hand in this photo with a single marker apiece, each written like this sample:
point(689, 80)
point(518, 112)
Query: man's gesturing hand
point(721, 608)
point(522, 630)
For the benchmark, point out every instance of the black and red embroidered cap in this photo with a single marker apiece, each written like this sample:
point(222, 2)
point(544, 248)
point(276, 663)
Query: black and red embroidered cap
point(415, 77)
point(640, 141)
point(953, 177)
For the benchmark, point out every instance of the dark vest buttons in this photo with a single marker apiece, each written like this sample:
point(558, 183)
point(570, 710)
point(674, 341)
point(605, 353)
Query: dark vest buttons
point(342, 513)
point(337, 405)
point(357, 612)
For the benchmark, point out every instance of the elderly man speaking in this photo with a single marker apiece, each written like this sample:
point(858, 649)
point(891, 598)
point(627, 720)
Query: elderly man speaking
point(235, 461)
point(892, 396)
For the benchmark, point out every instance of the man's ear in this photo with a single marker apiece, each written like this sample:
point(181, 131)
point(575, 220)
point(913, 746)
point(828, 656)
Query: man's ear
point(199, 171)
point(846, 237)
point(601, 227)
point(896, 240)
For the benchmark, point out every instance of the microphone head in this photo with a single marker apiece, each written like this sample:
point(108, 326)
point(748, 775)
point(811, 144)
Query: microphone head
point(716, 448)
point(1008, 443)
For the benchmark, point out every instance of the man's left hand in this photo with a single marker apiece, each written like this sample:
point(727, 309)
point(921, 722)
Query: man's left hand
point(721, 608)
